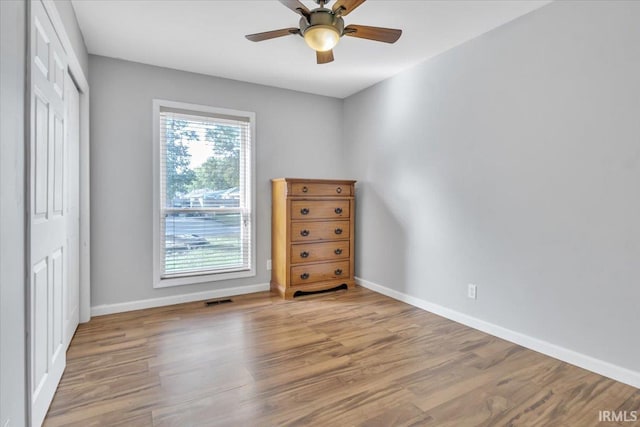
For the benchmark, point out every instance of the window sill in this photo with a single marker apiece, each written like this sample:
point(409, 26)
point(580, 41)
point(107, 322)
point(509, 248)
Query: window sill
point(195, 279)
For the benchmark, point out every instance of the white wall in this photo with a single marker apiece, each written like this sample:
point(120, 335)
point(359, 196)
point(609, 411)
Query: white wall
point(298, 135)
point(12, 232)
point(513, 162)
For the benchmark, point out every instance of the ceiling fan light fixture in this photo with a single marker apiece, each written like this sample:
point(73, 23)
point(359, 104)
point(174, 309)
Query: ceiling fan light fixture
point(321, 38)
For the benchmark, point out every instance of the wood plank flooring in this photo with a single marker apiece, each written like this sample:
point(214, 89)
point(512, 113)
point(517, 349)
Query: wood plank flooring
point(351, 358)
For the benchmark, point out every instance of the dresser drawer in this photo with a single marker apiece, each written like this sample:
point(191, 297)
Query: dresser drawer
point(319, 189)
point(316, 209)
point(303, 274)
point(311, 252)
point(319, 230)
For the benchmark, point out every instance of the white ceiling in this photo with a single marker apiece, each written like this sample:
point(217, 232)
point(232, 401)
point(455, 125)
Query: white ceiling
point(208, 37)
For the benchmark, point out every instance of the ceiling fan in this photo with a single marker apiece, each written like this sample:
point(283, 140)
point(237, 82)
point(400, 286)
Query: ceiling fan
point(321, 28)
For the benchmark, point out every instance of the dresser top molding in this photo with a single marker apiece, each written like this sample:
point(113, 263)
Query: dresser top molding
point(315, 181)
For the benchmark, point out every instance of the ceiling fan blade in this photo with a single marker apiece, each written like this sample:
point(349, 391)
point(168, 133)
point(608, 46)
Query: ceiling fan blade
point(347, 6)
point(297, 7)
point(324, 57)
point(258, 37)
point(387, 35)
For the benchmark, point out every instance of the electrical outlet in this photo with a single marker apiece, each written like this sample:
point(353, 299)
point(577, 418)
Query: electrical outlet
point(472, 291)
point(268, 265)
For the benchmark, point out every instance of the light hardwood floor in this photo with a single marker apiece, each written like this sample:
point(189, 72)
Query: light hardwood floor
point(349, 358)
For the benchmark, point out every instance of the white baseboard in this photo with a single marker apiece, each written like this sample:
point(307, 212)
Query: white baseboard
point(589, 363)
point(100, 310)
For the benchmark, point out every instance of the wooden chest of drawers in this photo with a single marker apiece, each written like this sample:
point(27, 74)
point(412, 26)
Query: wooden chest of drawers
point(312, 241)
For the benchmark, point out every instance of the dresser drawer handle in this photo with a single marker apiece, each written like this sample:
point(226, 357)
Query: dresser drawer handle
point(338, 272)
point(339, 190)
point(337, 251)
point(304, 232)
point(338, 210)
point(304, 276)
point(304, 254)
point(304, 211)
point(305, 189)
point(338, 231)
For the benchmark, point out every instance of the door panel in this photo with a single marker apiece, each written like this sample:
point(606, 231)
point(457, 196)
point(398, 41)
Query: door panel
point(58, 164)
point(41, 49)
point(41, 148)
point(59, 71)
point(39, 324)
point(57, 316)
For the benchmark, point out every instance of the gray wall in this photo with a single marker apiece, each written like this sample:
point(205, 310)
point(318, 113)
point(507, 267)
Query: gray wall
point(513, 162)
point(289, 142)
point(70, 22)
point(12, 267)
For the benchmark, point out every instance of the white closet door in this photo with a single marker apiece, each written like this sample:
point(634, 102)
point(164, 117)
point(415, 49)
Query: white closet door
point(48, 237)
point(72, 183)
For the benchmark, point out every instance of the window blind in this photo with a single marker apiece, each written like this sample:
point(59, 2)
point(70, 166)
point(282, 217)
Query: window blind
point(205, 193)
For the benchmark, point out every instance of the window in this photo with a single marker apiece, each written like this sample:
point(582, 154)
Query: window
point(203, 194)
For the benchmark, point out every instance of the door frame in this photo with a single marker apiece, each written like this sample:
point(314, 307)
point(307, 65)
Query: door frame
point(80, 79)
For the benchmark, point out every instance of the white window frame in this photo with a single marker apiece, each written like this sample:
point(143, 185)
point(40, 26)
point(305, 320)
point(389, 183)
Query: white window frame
point(158, 280)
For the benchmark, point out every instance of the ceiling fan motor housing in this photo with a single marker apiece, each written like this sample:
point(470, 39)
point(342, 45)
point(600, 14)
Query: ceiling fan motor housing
point(322, 17)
